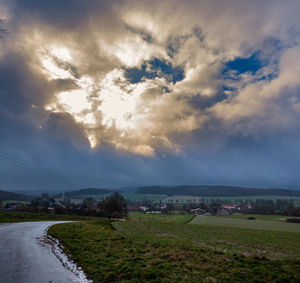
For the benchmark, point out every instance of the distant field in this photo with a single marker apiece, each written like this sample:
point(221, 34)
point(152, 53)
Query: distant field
point(279, 218)
point(270, 197)
point(13, 216)
point(241, 222)
point(4, 202)
point(176, 218)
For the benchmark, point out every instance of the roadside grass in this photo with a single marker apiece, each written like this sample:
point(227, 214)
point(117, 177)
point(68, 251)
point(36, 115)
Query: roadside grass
point(274, 224)
point(149, 251)
point(14, 216)
point(176, 217)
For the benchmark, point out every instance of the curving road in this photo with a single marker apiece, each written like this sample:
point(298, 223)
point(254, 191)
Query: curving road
point(27, 257)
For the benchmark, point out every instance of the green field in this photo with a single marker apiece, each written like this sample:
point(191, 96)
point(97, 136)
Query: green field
point(277, 218)
point(244, 223)
point(163, 248)
point(13, 216)
point(266, 197)
point(176, 218)
point(4, 202)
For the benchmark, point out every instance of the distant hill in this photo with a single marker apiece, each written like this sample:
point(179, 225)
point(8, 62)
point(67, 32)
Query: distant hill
point(88, 191)
point(4, 195)
point(215, 191)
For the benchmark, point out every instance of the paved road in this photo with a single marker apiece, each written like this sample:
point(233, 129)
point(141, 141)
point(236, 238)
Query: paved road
point(25, 258)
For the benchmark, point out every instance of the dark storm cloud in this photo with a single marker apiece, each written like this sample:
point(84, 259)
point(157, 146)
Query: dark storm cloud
point(69, 14)
point(229, 116)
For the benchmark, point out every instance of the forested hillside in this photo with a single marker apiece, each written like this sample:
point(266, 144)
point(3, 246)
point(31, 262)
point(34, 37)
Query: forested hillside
point(4, 195)
point(215, 191)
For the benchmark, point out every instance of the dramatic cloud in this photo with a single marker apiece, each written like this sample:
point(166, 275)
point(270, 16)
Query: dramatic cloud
point(179, 90)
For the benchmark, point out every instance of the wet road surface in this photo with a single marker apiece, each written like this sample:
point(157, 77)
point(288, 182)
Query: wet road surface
point(27, 257)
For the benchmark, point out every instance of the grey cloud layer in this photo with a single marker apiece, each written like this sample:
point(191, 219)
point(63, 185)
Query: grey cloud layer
point(199, 122)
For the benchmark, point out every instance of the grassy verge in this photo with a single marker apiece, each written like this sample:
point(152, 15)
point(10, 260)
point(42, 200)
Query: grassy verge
point(12, 216)
point(155, 251)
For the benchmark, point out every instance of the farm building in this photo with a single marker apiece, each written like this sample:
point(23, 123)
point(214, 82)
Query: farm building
point(223, 211)
point(182, 199)
point(229, 206)
point(198, 211)
point(133, 209)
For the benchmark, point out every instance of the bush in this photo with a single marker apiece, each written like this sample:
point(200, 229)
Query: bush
point(293, 220)
point(251, 218)
point(116, 215)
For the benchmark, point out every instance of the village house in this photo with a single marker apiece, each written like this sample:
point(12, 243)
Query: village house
point(133, 208)
point(226, 209)
point(223, 211)
point(198, 211)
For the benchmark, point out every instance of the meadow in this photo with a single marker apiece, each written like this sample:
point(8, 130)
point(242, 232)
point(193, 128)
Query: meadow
point(237, 199)
point(167, 249)
point(15, 216)
point(174, 218)
point(4, 202)
point(261, 223)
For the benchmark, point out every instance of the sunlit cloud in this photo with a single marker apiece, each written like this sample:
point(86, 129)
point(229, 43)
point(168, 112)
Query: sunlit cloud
point(155, 81)
point(131, 51)
point(61, 53)
point(53, 71)
point(174, 88)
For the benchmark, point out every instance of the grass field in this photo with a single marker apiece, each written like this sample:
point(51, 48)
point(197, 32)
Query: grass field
point(13, 216)
point(4, 202)
point(166, 249)
point(267, 197)
point(176, 218)
point(277, 218)
point(240, 222)
point(272, 244)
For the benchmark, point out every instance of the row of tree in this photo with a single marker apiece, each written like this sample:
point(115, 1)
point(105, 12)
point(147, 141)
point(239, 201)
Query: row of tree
point(114, 206)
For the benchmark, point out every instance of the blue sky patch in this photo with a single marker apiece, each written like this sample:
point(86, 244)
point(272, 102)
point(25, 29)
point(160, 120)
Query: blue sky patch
point(155, 68)
point(242, 65)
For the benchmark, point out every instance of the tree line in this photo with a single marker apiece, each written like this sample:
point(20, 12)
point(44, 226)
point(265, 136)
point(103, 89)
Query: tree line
point(113, 206)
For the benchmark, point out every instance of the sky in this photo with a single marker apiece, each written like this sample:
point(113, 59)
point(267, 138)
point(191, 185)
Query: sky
point(130, 93)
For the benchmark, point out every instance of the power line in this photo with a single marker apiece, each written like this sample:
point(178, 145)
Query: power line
point(37, 172)
point(20, 162)
point(17, 162)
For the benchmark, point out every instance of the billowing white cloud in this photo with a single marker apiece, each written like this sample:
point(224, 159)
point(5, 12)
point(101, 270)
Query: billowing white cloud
point(86, 66)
